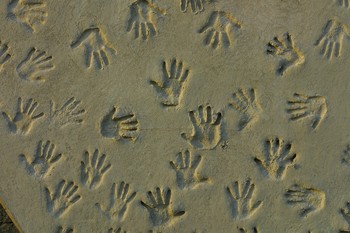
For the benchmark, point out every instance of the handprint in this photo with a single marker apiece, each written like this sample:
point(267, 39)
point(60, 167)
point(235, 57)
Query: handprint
point(61, 229)
point(186, 170)
point(62, 199)
point(4, 55)
point(303, 106)
point(67, 114)
point(97, 47)
point(241, 200)
point(93, 169)
point(286, 51)
point(218, 29)
point(305, 199)
point(120, 124)
point(343, 3)
point(36, 64)
point(159, 208)
point(278, 156)
point(171, 87)
point(206, 133)
point(24, 118)
point(142, 19)
point(346, 155)
point(31, 14)
point(245, 102)
point(44, 159)
point(117, 230)
point(196, 5)
point(332, 37)
point(345, 212)
point(119, 201)
point(244, 230)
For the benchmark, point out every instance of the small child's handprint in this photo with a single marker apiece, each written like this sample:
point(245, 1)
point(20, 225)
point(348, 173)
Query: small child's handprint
point(24, 118)
point(142, 19)
point(345, 212)
point(44, 159)
point(219, 29)
point(120, 199)
point(241, 198)
point(186, 170)
point(332, 37)
point(97, 47)
point(31, 14)
point(4, 55)
point(159, 207)
point(206, 133)
point(63, 198)
point(68, 113)
point(343, 3)
point(306, 199)
point(116, 230)
point(93, 169)
point(278, 156)
point(245, 102)
point(346, 155)
point(245, 230)
point(196, 5)
point(303, 107)
point(171, 87)
point(285, 50)
point(61, 229)
point(120, 124)
point(35, 65)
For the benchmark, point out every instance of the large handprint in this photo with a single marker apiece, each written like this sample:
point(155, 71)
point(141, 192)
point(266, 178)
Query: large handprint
point(286, 51)
point(218, 29)
point(142, 19)
point(44, 159)
point(332, 37)
point(171, 87)
point(97, 47)
point(206, 133)
point(120, 199)
point(24, 118)
point(303, 106)
point(30, 13)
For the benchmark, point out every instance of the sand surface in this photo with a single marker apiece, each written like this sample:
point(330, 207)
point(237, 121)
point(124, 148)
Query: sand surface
point(175, 115)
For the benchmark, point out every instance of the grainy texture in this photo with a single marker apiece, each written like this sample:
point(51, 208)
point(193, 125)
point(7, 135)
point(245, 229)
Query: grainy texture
point(6, 224)
point(175, 115)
